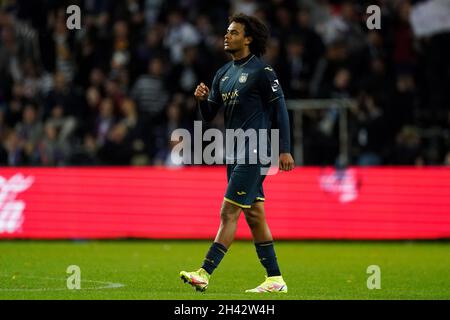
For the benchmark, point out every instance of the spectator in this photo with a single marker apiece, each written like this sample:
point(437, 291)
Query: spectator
point(312, 42)
point(336, 57)
point(14, 110)
point(248, 7)
point(29, 132)
point(53, 151)
point(121, 46)
point(64, 95)
point(30, 128)
point(298, 70)
point(64, 125)
point(180, 34)
point(150, 91)
point(407, 149)
point(116, 149)
point(162, 133)
point(186, 75)
point(15, 151)
point(137, 134)
point(151, 48)
point(62, 43)
point(105, 121)
point(368, 136)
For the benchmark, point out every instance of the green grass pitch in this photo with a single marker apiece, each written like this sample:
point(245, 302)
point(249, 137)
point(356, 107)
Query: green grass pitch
point(149, 270)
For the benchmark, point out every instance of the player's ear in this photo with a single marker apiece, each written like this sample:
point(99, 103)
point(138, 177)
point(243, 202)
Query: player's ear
point(248, 40)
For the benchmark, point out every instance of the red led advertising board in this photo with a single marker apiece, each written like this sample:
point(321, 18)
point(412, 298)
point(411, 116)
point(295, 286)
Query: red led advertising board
point(184, 203)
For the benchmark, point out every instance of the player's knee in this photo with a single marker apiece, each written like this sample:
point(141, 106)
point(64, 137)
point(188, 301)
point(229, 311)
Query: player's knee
point(252, 217)
point(229, 214)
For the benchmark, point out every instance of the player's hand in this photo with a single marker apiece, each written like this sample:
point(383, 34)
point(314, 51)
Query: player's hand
point(201, 92)
point(286, 162)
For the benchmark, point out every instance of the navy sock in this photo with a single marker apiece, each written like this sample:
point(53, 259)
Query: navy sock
point(267, 257)
point(213, 257)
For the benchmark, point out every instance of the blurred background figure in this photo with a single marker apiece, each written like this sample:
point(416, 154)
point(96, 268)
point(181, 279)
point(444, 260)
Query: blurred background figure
point(111, 92)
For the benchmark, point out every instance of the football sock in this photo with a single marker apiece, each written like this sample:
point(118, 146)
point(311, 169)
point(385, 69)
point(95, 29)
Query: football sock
point(267, 257)
point(213, 257)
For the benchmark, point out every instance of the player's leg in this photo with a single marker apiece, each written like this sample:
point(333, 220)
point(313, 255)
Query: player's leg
point(229, 216)
point(256, 219)
point(242, 188)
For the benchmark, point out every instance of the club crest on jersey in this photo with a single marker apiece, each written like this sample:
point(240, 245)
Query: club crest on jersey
point(243, 77)
point(275, 85)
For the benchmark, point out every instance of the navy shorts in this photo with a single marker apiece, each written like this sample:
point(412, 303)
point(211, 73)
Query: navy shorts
point(245, 184)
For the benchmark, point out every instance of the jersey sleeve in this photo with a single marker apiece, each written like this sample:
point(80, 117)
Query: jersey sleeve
point(209, 108)
point(214, 93)
point(272, 95)
point(269, 86)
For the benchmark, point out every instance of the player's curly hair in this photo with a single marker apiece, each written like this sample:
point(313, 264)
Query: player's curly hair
point(254, 28)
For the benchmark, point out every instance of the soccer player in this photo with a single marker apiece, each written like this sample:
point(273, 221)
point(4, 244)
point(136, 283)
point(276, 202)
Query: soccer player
point(249, 91)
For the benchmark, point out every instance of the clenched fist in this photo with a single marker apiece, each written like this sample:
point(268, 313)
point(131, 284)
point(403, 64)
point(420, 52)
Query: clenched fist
point(201, 92)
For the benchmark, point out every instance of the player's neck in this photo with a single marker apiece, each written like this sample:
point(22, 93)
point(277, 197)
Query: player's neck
point(240, 55)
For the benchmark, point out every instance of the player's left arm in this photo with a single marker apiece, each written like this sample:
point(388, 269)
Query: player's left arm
point(274, 97)
point(282, 121)
point(272, 94)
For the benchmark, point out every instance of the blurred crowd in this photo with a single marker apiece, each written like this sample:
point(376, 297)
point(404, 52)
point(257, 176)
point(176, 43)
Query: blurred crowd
point(112, 92)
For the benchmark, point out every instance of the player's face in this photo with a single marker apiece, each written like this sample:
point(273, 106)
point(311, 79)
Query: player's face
point(235, 39)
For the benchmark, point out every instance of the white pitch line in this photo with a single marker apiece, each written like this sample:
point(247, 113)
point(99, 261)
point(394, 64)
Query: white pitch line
point(107, 285)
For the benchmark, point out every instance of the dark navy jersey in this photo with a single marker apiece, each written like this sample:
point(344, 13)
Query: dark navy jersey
point(251, 94)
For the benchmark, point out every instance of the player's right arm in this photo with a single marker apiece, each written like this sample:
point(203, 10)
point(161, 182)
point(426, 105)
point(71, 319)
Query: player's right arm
point(208, 108)
point(209, 101)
